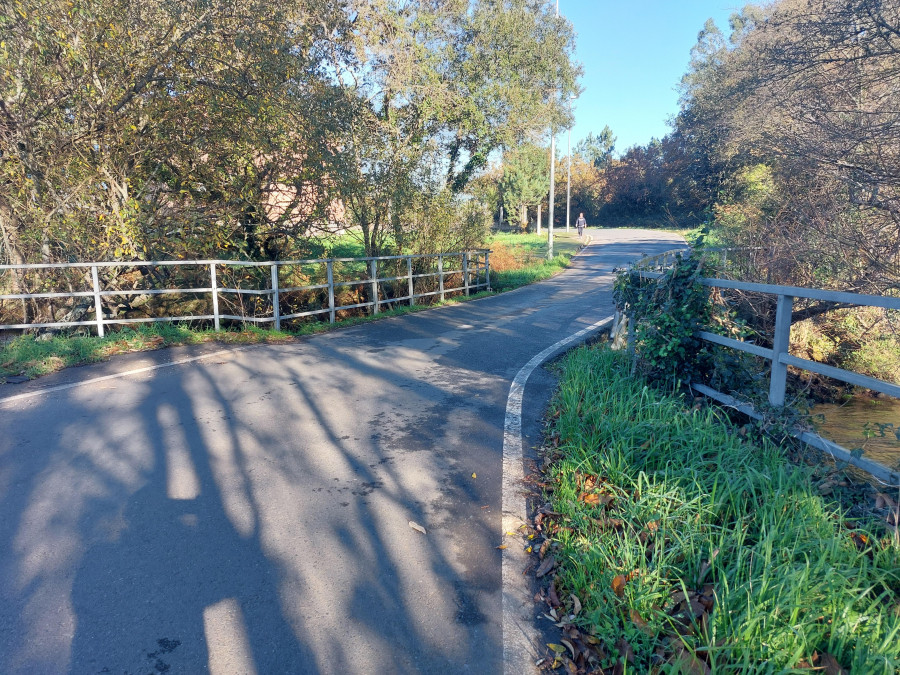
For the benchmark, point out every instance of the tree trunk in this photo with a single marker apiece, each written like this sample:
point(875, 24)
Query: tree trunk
point(9, 236)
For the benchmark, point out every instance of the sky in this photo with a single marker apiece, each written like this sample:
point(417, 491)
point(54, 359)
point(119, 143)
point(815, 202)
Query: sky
point(634, 53)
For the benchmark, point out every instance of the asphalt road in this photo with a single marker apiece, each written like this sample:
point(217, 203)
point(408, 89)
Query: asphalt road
point(249, 511)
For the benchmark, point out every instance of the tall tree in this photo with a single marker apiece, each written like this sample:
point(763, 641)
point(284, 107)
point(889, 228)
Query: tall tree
point(598, 148)
point(441, 84)
point(525, 180)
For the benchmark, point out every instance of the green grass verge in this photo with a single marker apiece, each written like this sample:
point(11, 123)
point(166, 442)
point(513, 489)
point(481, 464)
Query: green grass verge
point(532, 250)
point(700, 549)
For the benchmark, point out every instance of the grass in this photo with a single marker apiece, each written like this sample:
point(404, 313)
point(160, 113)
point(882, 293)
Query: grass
point(521, 259)
point(691, 548)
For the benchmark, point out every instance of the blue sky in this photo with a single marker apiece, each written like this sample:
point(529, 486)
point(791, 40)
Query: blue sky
point(634, 53)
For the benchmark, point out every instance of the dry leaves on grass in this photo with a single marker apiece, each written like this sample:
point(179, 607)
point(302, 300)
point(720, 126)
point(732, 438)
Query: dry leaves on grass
point(824, 663)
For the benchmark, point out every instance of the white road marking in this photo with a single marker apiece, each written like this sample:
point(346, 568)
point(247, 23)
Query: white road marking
point(520, 638)
point(126, 373)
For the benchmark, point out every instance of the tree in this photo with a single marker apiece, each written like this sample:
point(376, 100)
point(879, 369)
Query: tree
point(440, 85)
point(131, 130)
point(597, 149)
point(525, 180)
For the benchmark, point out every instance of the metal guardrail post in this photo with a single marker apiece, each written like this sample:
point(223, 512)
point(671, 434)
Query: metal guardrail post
point(373, 272)
point(412, 293)
point(329, 267)
point(780, 345)
point(465, 263)
point(487, 269)
point(214, 285)
point(98, 306)
point(441, 275)
point(276, 296)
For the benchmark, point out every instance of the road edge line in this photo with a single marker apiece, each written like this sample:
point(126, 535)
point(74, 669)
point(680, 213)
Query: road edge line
point(113, 376)
point(519, 635)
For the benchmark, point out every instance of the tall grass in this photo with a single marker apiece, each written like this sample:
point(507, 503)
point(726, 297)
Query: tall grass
point(521, 259)
point(709, 543)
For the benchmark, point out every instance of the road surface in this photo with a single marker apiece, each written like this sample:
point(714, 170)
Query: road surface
point(249, 511)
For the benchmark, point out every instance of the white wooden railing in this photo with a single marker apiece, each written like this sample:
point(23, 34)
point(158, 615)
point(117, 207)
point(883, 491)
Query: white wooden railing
point(472, 275)
point(780, 358)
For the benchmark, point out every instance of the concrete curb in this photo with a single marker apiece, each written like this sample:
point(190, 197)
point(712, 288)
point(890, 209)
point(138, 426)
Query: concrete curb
point(520, 636)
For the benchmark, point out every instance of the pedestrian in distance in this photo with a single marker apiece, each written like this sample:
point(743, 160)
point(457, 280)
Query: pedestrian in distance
point(581, 223)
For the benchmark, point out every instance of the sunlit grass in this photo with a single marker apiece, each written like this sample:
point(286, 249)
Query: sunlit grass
point(521, 259)
point(701, 511)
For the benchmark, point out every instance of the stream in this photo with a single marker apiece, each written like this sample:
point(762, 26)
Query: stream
point(845, 424)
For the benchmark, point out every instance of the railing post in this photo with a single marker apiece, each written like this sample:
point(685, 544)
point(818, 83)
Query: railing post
point(465, 263)
point(98, 307)
point(214, 285)
point(373, 272)
point(441, 274)
point(487, 269)
point(412, 292)
point(329, 266)
point(276, 296)
point(780, 345)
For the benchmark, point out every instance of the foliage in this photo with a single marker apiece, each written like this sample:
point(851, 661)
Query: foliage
point(521, 259)
point(136, 130)
point(674, 542)
point(665, 315)
point(525, 181)
point(597, 149)
point(434, 90)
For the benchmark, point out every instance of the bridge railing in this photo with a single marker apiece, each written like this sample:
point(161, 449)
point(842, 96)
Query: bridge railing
point(280, 290)
point(780, 358)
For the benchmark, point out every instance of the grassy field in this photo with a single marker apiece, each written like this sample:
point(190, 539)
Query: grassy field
point(680, 545)
point(521, 257)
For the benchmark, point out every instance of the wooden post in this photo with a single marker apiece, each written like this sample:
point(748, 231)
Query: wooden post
point(441, 275)
point(329, 266)
point(373, 271)
point(276, 296)
point(487, 269)
point(465, 263)
point(412, 286)
point(98, 306)
point(780, 345)
point(214, 285)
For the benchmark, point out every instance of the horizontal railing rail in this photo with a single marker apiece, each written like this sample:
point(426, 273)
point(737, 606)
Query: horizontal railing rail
point(780, 358)
point(472, 275)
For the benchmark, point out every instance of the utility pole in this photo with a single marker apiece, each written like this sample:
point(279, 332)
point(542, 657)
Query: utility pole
point(552, 195)
point(552, 182)
point(569, 172)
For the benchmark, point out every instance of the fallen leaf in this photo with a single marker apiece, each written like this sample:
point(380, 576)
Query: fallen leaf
point(618, 585)
point(591, 499)
point(831, 665)
point(418, 528)
point(689, 664)
point(576, 604)
point(548, 564)
point(569, 647)
point(473, 475)
point(552, 595)
point(625, 650)
point(502, 546)
point(636, 618)
point(559, 649)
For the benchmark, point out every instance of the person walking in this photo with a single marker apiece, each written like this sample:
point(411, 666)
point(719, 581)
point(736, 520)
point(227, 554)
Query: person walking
point(581, 223)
